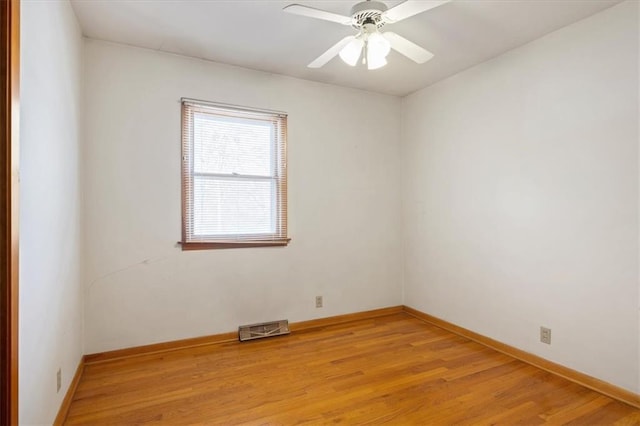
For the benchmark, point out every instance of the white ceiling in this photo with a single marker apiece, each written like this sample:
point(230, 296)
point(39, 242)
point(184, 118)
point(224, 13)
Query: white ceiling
point(257, 34)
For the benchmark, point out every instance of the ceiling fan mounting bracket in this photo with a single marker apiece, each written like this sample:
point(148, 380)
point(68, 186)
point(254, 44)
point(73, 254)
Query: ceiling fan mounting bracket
point(368, 12)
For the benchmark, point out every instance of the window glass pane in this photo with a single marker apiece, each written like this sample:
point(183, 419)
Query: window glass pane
point(226, 206)
point(228, 145)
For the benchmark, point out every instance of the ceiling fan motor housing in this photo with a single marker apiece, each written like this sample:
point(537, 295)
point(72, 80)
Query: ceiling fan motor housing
point(368, 12)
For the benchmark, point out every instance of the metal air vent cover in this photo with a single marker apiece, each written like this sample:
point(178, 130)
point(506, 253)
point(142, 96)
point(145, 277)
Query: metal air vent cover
point(265, 329)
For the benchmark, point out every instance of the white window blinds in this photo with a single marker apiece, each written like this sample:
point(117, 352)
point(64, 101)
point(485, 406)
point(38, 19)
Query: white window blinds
point(234, 176)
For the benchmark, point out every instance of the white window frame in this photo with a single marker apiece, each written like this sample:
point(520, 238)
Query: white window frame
point(193, 241)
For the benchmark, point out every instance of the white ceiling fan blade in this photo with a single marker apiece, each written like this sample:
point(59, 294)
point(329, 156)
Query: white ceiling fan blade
point(408, 48)
point(312, 12)
point(330, 53)
point(409, 8)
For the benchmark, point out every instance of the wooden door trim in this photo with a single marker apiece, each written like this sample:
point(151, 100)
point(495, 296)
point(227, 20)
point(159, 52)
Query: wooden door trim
point(9, 125)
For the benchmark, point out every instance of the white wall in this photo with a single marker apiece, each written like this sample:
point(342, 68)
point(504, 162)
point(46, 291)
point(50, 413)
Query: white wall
point(50, 286)
point(344, 203)
point(520, 192)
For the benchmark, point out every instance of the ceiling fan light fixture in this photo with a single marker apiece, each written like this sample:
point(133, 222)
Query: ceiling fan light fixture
point(351, 52)
point(378, 48)
point(374, 61)
point(378, 45)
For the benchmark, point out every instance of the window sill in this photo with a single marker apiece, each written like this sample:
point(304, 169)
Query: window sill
point(212, 245)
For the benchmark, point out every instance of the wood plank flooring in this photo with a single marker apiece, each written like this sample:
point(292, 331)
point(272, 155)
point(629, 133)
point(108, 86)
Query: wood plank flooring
point(393, 369)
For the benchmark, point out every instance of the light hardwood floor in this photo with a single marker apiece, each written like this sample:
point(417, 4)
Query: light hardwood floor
point(394, 369)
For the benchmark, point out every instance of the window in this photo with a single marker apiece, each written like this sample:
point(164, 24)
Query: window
point(234, 177)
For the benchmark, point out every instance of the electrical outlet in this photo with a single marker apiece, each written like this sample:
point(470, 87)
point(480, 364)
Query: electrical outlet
point(58, 380)
point(545, 335)
point(318, 301)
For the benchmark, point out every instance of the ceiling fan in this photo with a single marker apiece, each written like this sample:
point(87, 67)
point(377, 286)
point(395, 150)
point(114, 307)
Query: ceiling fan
point(368, 17)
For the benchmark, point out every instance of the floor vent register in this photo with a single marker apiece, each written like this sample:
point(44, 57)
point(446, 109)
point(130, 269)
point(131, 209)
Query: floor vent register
point(262, 330)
